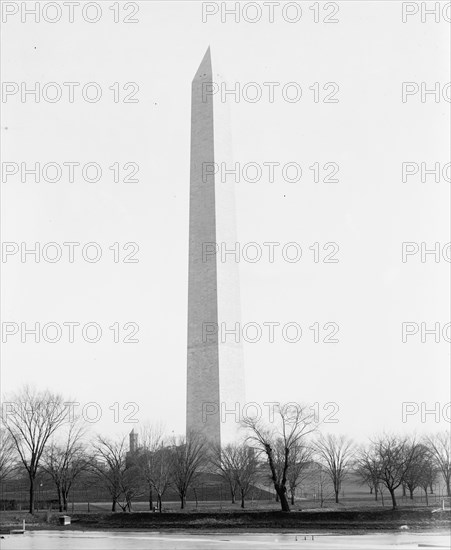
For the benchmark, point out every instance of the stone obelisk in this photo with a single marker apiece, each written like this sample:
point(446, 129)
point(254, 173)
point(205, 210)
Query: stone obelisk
point(215, 378)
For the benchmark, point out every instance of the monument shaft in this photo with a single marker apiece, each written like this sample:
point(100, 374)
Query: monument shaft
point(203, 353)
point(215, 377)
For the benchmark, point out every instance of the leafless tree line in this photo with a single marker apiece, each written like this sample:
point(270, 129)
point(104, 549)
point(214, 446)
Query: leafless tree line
point(287, 453)
point(392, 461)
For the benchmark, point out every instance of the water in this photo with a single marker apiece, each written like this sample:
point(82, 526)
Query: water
point(120, 540)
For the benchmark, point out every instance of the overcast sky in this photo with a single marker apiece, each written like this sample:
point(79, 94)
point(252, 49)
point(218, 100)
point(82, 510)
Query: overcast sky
point(368, 213)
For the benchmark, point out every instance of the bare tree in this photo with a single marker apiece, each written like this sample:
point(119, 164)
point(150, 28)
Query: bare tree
point(440, 447)
point(318, 482)
point(298, 468)
point(120, 476)
point(7, 454)
point(325, 486)
point(416, 472)
point(395, 455)
point(32, 417)
point(237, 463)
point(245, 467)
point(131, 486)
point(278, 441)
point(65, 461)
point(152, 440)
point(162, 472)
point(428, 474)
point(335, 453)
point(221, 459)
point(155, 462)
point(188, 459)
point(366, 466)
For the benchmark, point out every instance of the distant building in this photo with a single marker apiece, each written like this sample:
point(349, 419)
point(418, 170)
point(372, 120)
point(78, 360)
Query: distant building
point(134, 451)
point(133, 441)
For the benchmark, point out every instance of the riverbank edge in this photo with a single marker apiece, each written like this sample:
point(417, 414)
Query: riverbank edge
point(338, 522)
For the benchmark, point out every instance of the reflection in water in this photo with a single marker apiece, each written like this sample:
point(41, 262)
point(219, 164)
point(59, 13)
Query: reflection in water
point(120, 540)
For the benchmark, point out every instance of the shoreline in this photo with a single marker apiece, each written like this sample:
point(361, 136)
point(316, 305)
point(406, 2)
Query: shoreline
point(356, 522)
point(301, 531)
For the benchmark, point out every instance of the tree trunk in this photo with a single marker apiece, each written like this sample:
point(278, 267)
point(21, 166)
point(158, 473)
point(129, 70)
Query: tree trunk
point(411, 493)
point(431, 492)
point(232, 492)
point(113, 506)
point(371, 490)
point(403, 490)
point(393, 498)
point(31, 507)
point(426, 495)
point(336, 496)
point(150, 499)
point(65, 495)
point(375, 493)
point(282, 494)
point(182, 500)
point(448, 487)
point(60, 499)
point(242, 500)
point(159, 503)
point(128, 503)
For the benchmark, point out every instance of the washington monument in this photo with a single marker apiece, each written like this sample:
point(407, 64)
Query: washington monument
point(215, 378)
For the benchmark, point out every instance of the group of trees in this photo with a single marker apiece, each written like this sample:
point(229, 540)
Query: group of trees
point(29, 420)
point(387, 462)
point(392, 462)
point(238, 466)
point(39, 435)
